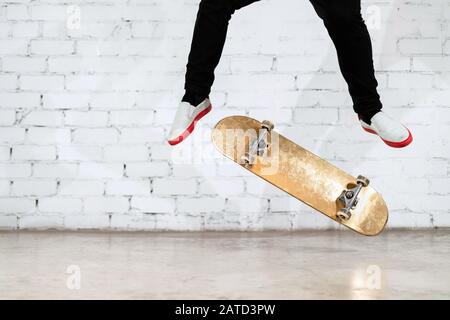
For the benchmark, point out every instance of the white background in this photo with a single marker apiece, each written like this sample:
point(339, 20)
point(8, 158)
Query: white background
point(85, 109)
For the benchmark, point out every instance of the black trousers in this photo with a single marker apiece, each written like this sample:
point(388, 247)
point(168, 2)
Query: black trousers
point(344, 23)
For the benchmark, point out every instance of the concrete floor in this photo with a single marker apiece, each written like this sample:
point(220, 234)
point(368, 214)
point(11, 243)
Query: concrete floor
point(271, 265)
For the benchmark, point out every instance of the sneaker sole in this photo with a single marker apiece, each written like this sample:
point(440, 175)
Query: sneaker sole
point(400, 144)
point(190, 128)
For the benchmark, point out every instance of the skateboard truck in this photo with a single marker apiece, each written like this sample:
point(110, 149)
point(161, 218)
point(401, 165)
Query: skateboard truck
point(258, 146)
point(349, 198)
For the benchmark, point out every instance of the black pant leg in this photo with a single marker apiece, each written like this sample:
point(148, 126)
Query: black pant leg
point(351, 38)
point(208, 41)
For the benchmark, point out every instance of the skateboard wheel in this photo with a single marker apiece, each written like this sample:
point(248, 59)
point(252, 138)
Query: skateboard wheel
point(344, 215)
point(268, 125)
point(363, 180)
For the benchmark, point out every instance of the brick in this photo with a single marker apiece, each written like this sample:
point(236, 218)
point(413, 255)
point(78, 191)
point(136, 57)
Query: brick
point(60, 204)
point(4, 28)
point(316, 115)
point(174, 187)
point(178, 222)
point(409, 220)
point(81, 188)
point(17, 205)
point(12, 135)
point(51, 47)
point(106, 204)
point(25, 30)
point(54, 100)
point(48, 135)
point(222, 187)
point(141, 135)
point(8, 82)
point(42, 83)
point(93, 29)
point(246, 204)
point(4, 187)
point(18, 100)
point(200, 205)
point(275, 221)
point(7, 117)
point(192, 171)
point(160, 152)
point(419, 46)
point(108, 101)
point(100, 170)
point(67, 64)
point(55, 170)
point(82, 82)
point(83, 153)
point(8, 222)
point(276, 115)
point(43, 118)
point(147, 169)
point(13, 47)
point(131, 118)
point(5, 152)
point(255, 186)
point(87, 221)
point(85, 119)
point(410, 80)
point(128, 187)
point(441, 219)
point(29, 152)
point(153, 204)
point(102, 12)
point(126, 153)
point(53, 29)
point(134, 222)
point(17, 12)
point(48, 12)
point(251, 63)
point(15, 170)
point(33, 188)
point(440, 186)
point(299, 64)
point(43, 222)
point(255, 82)
point(95, 136)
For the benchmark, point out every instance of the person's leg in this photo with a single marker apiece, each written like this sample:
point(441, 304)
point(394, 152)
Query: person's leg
point(351, 38)
point(207, 45)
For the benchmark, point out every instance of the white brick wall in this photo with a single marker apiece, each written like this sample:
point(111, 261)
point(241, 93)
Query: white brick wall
point(85, 108)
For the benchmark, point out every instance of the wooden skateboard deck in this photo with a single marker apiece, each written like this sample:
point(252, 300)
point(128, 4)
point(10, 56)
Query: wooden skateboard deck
point(301, 174)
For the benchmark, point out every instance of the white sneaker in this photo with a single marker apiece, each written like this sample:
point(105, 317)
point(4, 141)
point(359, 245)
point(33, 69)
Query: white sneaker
point(185, 119)
point(392, 132)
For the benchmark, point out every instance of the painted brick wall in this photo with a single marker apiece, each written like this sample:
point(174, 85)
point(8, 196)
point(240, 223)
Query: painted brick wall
point(85, 106)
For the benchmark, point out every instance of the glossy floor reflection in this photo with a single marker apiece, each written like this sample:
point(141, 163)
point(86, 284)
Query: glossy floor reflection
point(270, 265)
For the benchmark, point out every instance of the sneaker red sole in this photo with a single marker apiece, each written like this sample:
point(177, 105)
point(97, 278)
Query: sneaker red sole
point(190, 128)
point(400, 144)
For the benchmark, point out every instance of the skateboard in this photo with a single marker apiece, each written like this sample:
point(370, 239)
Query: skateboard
point(257, 147)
